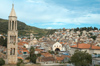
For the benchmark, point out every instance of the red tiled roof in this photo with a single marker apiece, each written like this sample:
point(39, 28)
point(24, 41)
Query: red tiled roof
point(65, 43)
point(22, 43)
point(38, 50)
point(85, 46)
point(19, 57)
point(45, 59)
point(60, 58)
point(26, 51)
point(61, 42)
point(19, 51)
point(46, 54)
point(23, 50)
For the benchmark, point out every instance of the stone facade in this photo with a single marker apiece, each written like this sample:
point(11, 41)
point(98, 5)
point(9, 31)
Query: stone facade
point(12, 38)
point(57, 45)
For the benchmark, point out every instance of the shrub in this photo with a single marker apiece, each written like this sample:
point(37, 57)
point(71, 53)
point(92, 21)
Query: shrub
point(2, 62)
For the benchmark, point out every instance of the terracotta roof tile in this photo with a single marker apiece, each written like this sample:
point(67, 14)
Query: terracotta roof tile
point(19, 51)
point(23, 50)
point(48, 59)
point(22, 43)
point(19, 57)
point(46, 54)
point(38, 50)
point(85, 46)
point(60, 58)
point(26, 51)
point(61, 42)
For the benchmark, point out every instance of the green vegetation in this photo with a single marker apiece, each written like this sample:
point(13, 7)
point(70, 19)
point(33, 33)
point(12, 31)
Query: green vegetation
point(81, 58)
point(20, 62)
point(23, 29)
point(2, 62)
point(51, 52)
point(93, 37)
point(3, 41)
point(33, 56)
point(85, 28)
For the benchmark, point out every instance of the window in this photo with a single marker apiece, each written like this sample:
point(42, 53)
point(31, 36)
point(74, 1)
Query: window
point(11, 51)
point(12, 39)
point(24, 52)
point(20, 51)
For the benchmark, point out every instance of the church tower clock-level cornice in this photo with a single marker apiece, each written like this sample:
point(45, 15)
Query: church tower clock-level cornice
point(12, 39)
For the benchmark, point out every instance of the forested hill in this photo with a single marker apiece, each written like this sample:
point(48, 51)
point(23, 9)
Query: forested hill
point(23, 29)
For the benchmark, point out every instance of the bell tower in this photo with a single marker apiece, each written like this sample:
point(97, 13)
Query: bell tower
point(12, 39)
point(31, 36)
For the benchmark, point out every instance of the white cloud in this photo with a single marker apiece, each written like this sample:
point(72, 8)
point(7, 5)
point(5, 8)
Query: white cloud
point(33, 11)
point(30, 1)
point(44, 12)
point(89, 18)
point(35, 1)
point(49, 28)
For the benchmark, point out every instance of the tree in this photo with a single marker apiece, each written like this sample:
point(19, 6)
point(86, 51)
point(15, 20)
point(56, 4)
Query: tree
point(33, 56)
point(20, 62)
point(31, 51)
point(38, 55)
point(81, 58)
point(93, 37)
point(3, 41)
point(95, 28)
point(2, 62)
point(51, 52)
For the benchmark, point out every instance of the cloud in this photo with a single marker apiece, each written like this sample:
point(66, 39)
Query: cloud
point(49, 28)
point(35, 1)
point(45, 13)
point(30, 1)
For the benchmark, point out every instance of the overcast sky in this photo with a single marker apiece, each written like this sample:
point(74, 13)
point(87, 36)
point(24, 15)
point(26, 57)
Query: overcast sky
point(51, 14)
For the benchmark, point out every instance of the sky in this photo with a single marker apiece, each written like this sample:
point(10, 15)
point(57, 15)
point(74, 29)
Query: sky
point(54, 14)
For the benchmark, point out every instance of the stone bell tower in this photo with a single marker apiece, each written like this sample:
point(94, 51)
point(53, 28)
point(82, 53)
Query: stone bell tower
point(12, 38)
point(31, 36)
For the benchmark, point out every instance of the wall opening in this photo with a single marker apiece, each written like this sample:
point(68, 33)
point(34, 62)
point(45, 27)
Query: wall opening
point(57, 49)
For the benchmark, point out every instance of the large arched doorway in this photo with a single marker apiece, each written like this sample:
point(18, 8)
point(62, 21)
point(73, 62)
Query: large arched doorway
point(57, 49)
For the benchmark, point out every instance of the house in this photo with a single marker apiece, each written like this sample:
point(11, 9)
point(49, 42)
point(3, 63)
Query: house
point(46, 54)
point(95, 61)
point(62, 58)
point(37, 51)
point(85, 47)
point(23, 44)
point(45, 60)
point(23, 52)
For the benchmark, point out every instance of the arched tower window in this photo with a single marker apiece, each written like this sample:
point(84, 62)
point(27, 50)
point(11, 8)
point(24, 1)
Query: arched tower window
point(13, 39)
point(11, 51)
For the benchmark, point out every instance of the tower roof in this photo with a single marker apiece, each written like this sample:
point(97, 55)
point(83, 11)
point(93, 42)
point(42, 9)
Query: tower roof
point(12, 11)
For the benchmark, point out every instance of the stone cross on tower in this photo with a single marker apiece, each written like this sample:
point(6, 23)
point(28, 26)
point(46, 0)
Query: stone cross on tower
point(12, 39)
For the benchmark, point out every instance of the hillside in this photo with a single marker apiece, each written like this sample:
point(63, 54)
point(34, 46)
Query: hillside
point(23, 29)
